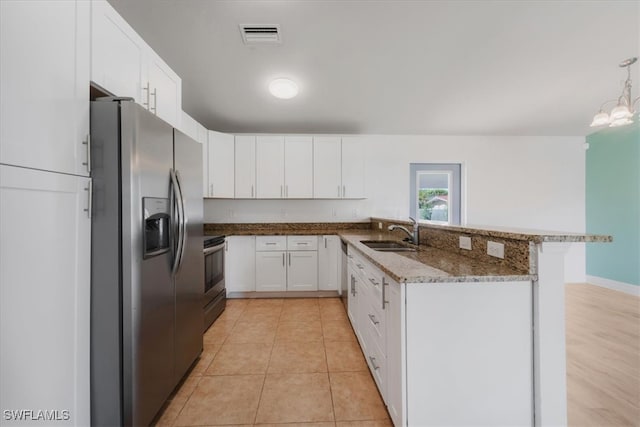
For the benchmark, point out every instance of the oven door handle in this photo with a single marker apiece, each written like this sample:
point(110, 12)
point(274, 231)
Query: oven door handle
point(213, 249)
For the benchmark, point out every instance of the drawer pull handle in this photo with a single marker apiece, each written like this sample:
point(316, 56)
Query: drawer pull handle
point(373, 363)
point(270, 243)
point(373, 319)
point(384, 296)
point(374, 282)
point(360, 266)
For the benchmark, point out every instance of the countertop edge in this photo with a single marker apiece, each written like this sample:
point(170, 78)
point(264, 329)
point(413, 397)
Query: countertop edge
point(445, 278)
point(537, 236)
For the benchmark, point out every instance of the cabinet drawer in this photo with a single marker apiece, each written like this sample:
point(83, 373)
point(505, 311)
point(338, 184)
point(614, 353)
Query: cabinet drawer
point(374, 323)
point(302, 243)
point(377, 362)
point(271, 243)
point(355, 260)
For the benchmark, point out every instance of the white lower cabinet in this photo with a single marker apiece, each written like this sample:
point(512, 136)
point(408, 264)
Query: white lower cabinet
point(286, 263)
point(240, 264)
point(329, 263)
point(282, 263)
point(302, 274)
point(445, 353)
point(44, 300)
point(396, 373)
point(271, 271)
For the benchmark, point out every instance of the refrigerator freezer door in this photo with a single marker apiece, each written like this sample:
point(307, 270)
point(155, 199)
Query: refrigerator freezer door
point(148, 292)
point(189, 280)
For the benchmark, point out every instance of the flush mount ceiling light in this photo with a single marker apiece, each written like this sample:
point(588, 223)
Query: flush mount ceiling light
point(623, 112)
point(283, 88)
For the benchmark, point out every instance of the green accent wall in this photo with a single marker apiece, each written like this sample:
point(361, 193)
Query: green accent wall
point(613, 203)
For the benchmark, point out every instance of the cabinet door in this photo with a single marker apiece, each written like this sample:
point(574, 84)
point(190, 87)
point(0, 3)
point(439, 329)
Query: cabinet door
point(221, 160)
point(44, 64)
point(44, 297)
point(329, 263)
point(204, 140)
point(245, 167)
point(117, 54)
point(303, 271)
point(189, 126)
point(165, 90)
point(361, 313)
point(271, 271)
point(298, 167)
point(327, 179)
point(395, 353)
point(240, 264)
point(352, 168)
point(270, 167)
point(352, 298)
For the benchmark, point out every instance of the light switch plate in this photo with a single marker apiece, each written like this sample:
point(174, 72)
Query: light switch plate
point(465, 242)
point(495, 249)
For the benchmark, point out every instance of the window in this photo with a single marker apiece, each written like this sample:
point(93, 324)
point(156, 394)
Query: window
point(435, 192)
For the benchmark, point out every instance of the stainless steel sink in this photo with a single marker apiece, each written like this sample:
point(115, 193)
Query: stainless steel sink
point(386, 246)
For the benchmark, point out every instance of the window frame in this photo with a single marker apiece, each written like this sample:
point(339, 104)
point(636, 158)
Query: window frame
point(454, 177)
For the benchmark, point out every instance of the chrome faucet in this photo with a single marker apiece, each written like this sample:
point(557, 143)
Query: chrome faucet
point(414, 236)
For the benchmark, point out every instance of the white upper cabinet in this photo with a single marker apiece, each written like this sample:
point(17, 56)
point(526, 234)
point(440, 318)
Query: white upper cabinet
point(270, 167)
point(298, 167)
point(44, 102)
point(117, 53)
point(245, 167)
point(327, 179)
point(190, 127)
point(123, 64)
point(163, 90)
point(352, 168)
point(221, 161)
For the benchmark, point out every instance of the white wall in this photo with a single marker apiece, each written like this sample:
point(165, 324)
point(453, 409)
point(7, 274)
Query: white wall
point(531, 182)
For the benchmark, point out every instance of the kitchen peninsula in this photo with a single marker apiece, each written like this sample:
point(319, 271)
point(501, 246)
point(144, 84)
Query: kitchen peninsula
point(453, 335)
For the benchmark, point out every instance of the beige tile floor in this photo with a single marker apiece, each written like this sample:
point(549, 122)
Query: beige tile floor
point(278, 361)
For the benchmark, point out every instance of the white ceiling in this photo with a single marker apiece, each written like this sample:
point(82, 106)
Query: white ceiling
point(396, 67)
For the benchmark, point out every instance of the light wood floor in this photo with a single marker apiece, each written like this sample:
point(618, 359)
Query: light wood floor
point(603, 357)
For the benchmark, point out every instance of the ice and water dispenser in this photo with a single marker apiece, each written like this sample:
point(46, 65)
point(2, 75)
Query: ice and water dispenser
point(157, 221)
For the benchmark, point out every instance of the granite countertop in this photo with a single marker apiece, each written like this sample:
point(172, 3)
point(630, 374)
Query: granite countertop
point(537, 236)
point(282, 229)
point(430, 265)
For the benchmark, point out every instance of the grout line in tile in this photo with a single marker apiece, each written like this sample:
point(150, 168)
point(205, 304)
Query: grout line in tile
point(255, 417)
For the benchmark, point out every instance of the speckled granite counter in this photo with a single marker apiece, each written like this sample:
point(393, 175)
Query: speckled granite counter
point(431, 265)
point(287, 228)
point(536, 236)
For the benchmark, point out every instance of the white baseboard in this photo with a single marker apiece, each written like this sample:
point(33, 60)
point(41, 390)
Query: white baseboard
point(627, 288)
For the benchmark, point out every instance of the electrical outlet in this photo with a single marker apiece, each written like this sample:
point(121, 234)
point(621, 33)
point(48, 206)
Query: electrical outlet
point(465, 243)
point(379, 226)
point(495, 249)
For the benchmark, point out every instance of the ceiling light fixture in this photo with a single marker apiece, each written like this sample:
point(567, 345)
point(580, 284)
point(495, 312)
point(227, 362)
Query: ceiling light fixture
point(623, 113)
point(283, 88)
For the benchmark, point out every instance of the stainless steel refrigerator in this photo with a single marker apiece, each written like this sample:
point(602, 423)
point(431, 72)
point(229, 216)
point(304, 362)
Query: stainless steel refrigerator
point(147, 271)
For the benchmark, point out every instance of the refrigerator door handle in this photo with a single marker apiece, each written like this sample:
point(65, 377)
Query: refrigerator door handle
point(175, 208)
point(183, 231)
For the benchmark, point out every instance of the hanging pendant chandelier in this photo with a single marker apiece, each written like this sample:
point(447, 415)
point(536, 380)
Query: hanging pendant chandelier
point(622, 113)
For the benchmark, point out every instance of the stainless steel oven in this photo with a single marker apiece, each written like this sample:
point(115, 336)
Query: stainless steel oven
point(215, 294)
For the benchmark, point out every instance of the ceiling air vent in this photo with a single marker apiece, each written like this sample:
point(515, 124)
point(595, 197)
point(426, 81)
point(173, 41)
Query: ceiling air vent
point(260, 34)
